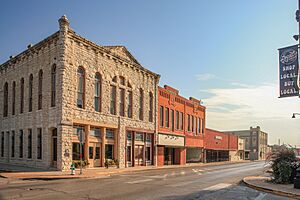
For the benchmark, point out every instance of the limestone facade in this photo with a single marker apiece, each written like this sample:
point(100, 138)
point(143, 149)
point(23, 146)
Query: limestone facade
point(98, 89)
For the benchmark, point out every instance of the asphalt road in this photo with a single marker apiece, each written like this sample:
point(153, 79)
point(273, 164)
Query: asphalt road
point(207, 183)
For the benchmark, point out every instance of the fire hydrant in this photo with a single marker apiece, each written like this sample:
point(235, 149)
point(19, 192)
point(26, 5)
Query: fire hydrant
point(72, 168)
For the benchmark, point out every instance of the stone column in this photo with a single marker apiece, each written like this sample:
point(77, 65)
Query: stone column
point(103, 141)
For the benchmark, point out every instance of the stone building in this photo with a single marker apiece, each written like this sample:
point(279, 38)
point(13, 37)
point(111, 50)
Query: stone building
point(256, 143)
point(65, 87)
point(181, 126)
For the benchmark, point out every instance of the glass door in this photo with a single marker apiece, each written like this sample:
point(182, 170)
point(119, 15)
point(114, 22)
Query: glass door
point(139, 155)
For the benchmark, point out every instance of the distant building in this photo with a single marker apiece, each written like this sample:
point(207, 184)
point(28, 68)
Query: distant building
point(256, 143)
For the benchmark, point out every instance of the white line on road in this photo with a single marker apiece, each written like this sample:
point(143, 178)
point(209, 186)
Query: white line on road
point(218, 186)
point(139, 181)
point(260, 196)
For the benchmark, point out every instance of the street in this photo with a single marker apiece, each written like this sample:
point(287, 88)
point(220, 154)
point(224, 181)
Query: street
point(207, 182)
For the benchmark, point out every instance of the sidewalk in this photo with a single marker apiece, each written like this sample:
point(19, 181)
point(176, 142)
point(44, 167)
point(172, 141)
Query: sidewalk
point(262, 183)
point(19, 172)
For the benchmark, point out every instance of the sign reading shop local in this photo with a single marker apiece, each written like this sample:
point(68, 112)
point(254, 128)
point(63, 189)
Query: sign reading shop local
point(288, 71)
point(170, 140)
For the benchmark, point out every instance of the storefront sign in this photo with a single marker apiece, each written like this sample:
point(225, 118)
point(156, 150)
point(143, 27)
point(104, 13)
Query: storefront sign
point(217, 137)
point(288, 71)
point(170, 140)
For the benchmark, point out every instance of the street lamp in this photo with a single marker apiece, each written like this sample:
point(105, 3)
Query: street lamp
point(294, 115)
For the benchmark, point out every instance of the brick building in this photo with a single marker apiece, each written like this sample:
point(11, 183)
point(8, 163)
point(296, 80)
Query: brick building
point(256, 143)
point(181, 125)
point(66, 85)
point(220, 146)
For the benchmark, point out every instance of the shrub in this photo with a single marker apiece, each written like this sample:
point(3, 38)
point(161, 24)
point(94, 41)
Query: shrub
point(111, 162)
point(77, 163)
point(283, 163)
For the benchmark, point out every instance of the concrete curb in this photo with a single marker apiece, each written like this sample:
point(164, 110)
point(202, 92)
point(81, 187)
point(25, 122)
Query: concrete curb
point(269, 190)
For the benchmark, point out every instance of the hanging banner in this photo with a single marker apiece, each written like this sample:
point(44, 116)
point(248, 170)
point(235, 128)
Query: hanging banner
point(288, 71)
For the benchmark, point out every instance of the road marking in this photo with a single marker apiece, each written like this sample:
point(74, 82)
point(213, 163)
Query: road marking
point(139, 181)
point(218, 186)
point(260, 196)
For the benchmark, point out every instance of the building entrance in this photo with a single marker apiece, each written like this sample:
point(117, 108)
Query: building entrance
point(169, 156)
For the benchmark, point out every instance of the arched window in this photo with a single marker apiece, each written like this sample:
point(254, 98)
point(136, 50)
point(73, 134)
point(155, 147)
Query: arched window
point(150, 107)
point(53, 85)
point(98, 83)
point(5, 103)
point(40, 90)
point(141, 105)
point(13, 103)
point(113, 99)
point(80, 87)
point(22, 95)
point(30, 92)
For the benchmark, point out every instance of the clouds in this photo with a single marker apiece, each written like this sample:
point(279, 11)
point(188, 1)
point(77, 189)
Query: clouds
point(206, 77)
point(245, 106)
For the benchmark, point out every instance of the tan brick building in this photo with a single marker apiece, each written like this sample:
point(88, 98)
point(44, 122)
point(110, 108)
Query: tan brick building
point(66, 85)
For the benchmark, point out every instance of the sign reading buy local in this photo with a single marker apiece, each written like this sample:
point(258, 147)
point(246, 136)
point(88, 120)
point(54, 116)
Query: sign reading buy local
point(288, 71)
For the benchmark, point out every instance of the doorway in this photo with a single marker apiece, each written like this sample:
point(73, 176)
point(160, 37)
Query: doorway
point(169, 155)
point(139, 155)
point(94, 154)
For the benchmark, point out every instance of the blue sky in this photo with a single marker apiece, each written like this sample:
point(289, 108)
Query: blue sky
point(224, 52)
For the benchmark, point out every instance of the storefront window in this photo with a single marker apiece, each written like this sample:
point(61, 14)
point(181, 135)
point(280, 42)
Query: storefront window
point(128, 153)
point(148, 138)
point(95, 132)
point(109, 151)
point(139, 136)
point(109, 134)
point(91, 152)
point(76, 151)
point(129, 136)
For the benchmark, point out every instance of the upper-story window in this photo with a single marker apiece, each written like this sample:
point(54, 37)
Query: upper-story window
point(13, 103)
point(22, 95)
point(150, 107)
point(113, 99)
point(5, 103)
point(167, 118)
point(122, 102)
point(181, 121)
point(177, 120)
point(172, 120)
point(40, 90)
point(122, 80)
point(161, 116)
point(80, 87)
point(188, 123)
point(141, 105)
point(30, 93)
point(192, 123)
point(53, 85)
point(98, 92)
point(129, 106)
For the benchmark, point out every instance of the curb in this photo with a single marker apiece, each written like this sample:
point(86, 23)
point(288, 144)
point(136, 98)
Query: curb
point(268, 190)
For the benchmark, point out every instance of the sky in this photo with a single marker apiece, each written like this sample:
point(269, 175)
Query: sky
point(222, 52)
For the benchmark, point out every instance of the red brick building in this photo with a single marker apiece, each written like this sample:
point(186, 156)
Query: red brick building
point(219, 146)
point(181, 126)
